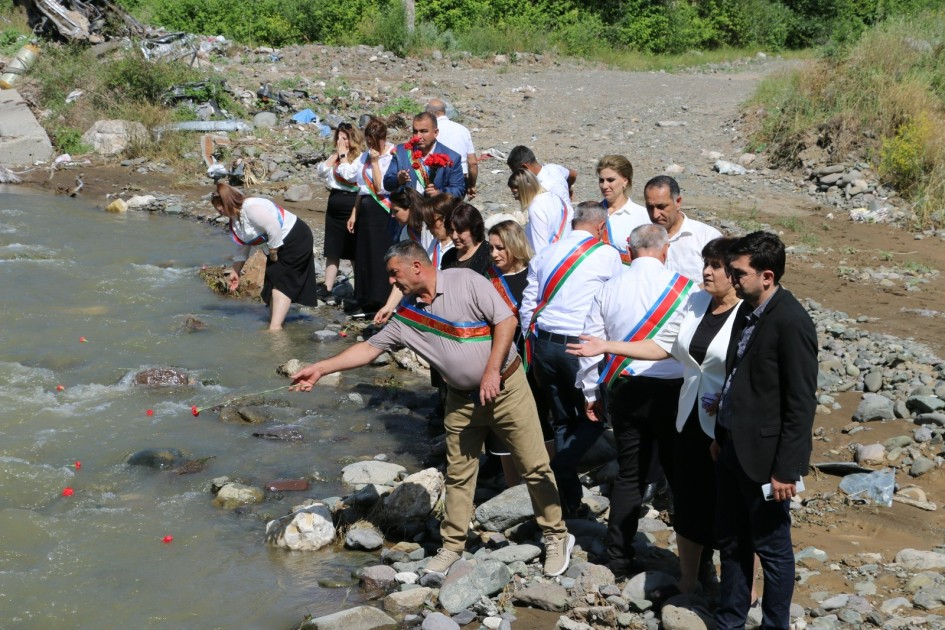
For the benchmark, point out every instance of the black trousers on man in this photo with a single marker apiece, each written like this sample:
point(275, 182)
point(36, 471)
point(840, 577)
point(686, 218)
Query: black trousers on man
point(643, 412)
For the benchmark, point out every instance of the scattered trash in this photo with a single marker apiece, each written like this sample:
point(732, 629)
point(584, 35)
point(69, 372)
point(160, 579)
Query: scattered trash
point(729, 168)
point(525, 88)
point(493, 153)
point(863, 215)
point(20, 64)
point(82, 21)
point(74, 95)
point(876, 487)
point(306, 116)
point(205, 125)
point(62, 159)
point(8, 177)
point(170, 46)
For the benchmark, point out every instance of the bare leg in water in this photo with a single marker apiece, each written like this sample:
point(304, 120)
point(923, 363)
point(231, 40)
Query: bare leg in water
point(280, 308)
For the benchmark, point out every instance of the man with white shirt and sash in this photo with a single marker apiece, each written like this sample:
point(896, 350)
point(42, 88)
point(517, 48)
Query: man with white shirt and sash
point(562, 281)
point(456, 320)
point(641, 395)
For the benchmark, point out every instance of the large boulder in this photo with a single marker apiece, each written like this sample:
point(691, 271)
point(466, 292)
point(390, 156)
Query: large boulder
point(160, 377)
point(108, 137)
point(358, 618)
point(464, 588)
point(307, 528)
point(414, 499)
point(360, 474)
point(234, 495)
point(510, 508)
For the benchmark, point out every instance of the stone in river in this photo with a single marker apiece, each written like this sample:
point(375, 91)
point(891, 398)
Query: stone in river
point(285, 433)
point(366, 538)
point(233, 495)
point(358, 618)
point(157, 458)
point(308, 528)
point(162, 377)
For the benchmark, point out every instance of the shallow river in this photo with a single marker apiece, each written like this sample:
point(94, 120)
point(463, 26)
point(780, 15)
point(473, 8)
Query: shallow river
point(125, 284)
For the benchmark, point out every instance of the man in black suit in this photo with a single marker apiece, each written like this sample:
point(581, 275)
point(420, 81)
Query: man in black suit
point(763, 432)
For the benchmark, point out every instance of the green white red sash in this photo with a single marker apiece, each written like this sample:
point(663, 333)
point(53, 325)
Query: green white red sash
point(556, 279)
point(505, 291)
point(625, 256)
point(372, 188)
point(421, 172)
point(343, 183)
point(647, 328)
point(262, 238)
point(462, 332)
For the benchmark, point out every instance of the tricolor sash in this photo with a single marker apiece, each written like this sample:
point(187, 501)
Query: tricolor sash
point(557, 236)
point(647, 328)
point(498, 281)
point(561, 272)
point(421, 172)
point(343, 183)
point(413, 235)
point(625, 256)
point(372, 188)
point(262, 238)
point(462, 332)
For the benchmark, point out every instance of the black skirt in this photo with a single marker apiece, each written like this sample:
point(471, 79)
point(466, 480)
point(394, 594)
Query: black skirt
point(294, 273)
point(374, 233)
point(339, 242)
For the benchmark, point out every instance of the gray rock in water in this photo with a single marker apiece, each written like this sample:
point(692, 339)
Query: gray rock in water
point(366, 538)
point(162, 377)
point(286, 433)
point(463, 590)
point(326, 336)
point(401, 603)
point(290, 367)
point(308, 528)
point(874, 407)
point(255, 414)
point(505, 510)
point(234, 495)
point(551, 597)
point(358, 618)
point(377, 580)
point(157, 458)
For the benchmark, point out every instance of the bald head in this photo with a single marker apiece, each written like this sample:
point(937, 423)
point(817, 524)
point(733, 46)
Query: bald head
point(649, 241)
point(436, 107)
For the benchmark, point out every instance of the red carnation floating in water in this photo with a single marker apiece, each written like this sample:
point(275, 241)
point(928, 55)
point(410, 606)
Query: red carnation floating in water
point(82, 340)
point(78, 464)
point(194, 410)
point(167, 540)
point(149, 412)
point(59, 388)
point(67, 492)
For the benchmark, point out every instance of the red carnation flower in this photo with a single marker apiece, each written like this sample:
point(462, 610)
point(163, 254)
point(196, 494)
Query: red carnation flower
point(67, 492)
point(194, 410)
point(417, 154)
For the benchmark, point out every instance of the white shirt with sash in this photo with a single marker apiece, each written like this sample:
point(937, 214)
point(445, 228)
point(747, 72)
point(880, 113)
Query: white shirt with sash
point(565, 314)
point(549, 218)
point(620, 305)
point(621, 222)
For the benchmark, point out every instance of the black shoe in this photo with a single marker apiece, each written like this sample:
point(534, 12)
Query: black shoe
point(322, 293)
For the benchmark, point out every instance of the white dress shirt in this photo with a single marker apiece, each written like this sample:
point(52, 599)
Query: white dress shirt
point(384, 162)
point(554, 178)
point(347, 171)
point(685, 248)
point(565, 313)
point(260, 217)
point(456, 137)
point(544, 218)
point(618, 307)
point(621, 222)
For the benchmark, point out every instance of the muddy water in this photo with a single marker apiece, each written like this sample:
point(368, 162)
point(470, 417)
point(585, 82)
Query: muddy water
point(126, 284)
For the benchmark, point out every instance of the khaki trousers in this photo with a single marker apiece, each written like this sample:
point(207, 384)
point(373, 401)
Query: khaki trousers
point(514, 419)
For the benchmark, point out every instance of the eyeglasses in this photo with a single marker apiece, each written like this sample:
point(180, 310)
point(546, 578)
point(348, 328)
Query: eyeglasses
point(344, 126)
point(738, 274)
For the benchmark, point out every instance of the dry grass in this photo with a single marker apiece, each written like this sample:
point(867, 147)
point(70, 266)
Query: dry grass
point(882, 100)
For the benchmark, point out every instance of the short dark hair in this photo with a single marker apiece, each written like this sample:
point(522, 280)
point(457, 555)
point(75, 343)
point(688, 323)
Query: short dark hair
point(439, 205)
point(717, 249)
point(375, 130)
point(408, 250)
point(464, 217)
point(664, 181)
point(430, 118)
point(520, 155)
point(765, 252)
point(408, 197)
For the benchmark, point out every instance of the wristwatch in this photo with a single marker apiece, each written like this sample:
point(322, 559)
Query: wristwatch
point(342, 156)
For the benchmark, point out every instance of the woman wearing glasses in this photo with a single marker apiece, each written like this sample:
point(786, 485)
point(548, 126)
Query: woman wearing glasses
point(340, 172)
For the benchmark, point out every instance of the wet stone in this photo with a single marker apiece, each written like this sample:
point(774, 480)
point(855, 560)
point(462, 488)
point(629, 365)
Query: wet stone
point(280, 433)
point(156, 458)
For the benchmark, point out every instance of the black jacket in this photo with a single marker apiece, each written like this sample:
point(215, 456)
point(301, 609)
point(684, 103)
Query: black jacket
point(773, 391)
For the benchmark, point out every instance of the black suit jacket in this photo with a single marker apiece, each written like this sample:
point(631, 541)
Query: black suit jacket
point(773, 391)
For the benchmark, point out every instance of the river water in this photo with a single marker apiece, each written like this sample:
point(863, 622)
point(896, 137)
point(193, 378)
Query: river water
point(125, 283)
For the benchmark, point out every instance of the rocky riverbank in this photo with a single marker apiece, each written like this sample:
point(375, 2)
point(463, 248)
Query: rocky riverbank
point(873, 289)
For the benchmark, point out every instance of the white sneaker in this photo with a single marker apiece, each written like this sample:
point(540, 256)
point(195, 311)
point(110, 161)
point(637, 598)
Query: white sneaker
point(558, 554)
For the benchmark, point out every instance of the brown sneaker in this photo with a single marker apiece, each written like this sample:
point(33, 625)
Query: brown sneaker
point(558, 554)
point(442, 561)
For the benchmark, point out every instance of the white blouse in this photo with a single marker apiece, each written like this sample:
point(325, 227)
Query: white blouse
point(260, 222)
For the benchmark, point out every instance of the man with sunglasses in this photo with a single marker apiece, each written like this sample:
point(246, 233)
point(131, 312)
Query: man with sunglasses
point(763, 432)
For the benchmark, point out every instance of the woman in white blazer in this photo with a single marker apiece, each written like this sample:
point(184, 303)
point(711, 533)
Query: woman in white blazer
point(700, 343)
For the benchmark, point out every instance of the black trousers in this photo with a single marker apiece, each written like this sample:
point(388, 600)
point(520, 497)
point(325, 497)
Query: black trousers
point(643, 413)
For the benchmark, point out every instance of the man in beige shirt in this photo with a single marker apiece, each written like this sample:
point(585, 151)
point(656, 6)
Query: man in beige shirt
point(456, 320)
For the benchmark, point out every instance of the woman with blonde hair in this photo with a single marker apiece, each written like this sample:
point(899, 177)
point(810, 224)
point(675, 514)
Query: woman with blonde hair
point(615, 177)
point(340, 172)
point(549, 218)
point(290, 268)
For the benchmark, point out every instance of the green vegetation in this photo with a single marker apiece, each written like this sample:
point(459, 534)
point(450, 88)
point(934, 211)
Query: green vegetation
point(881, 99)
point(597, 29)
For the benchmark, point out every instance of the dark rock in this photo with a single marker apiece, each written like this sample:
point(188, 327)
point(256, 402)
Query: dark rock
point(160, 377)
point(280, 433)
point(157, 458)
